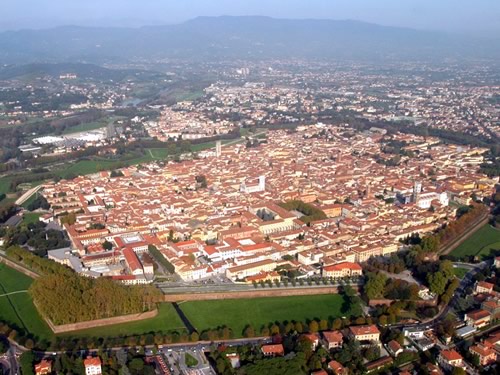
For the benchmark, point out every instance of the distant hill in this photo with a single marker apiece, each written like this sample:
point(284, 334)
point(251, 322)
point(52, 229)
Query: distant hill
point(240, 38)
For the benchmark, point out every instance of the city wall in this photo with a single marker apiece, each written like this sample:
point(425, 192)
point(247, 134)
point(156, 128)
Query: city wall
point(100, 322)
point(275, 292)
point(19, 268)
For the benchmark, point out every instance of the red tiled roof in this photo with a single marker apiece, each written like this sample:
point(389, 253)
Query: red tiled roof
point(273, 349)
point(333, 336)
point(451, 355)
point(92, 361)
point(364, 330)
point(343, 265)
point(132, 260)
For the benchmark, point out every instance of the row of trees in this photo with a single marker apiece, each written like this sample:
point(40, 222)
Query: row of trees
point(158, 256)
point(457, 227)
point(301, 282)
point(394, 264)
point(70, 298)
point(6, 211)
point(64, 297)
point(38, 202)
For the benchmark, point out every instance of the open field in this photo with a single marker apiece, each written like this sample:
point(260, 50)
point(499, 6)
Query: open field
point(85, 127)
point(238, 313)
point(166, 320)
point(480, 243)
point(18, 309)
point(158, 153)
point(86, 167)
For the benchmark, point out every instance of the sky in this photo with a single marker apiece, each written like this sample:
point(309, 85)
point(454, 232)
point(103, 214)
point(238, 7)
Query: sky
point(465, 16)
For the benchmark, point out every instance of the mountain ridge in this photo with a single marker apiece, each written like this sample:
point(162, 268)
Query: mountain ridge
point(241, 37)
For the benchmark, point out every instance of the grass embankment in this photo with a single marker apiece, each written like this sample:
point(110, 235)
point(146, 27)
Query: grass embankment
point(238, 313)
point(18, 309)
point(166, 320)
point(481, 243)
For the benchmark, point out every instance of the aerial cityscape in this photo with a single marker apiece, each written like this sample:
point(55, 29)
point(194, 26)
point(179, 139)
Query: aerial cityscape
point(289, 193)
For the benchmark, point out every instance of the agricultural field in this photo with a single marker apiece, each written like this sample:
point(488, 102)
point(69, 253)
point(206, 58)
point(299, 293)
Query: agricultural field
point(481, 243)
point(16, 305)
point(237, 314)
point(166, 320)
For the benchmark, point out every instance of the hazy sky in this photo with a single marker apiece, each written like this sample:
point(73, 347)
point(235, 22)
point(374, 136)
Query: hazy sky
point(450, 15)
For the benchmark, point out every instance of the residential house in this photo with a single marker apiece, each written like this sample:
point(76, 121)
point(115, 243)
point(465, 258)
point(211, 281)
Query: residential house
point(313, 338)
point(478, 318)
point(234, 359)
point(483, 287)
point(394, 348)
point(486, 355)
point(92, 366)
point(273, 350)
point(44, 367)
point(337, 368)
point(448, 359)
point(332, 339)
point(365, 334)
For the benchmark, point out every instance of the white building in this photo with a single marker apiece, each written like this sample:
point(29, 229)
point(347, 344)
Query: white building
point(92, 366)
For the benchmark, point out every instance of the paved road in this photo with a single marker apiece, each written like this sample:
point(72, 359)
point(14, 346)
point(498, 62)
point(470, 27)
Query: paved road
point(182, 347)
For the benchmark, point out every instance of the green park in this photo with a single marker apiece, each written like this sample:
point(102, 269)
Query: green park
point(238, 313)
point(481, 243)
point(17, 310)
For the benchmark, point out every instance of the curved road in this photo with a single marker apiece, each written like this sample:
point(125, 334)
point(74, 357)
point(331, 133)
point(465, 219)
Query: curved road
point(464, 284)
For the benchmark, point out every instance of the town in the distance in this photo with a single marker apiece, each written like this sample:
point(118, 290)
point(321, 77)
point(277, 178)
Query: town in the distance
point(234, 216)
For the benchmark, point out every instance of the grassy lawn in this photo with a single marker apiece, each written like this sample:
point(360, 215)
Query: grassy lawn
point(166, 320)
point(480, 243)
point(191, 361)
point(159, 153)
point(202, 146)
point(85, 127)
point(31, 217)
point(5, 184)
point(84, 167)
point(18, 309)
point(460, 272)
point(238, 313)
